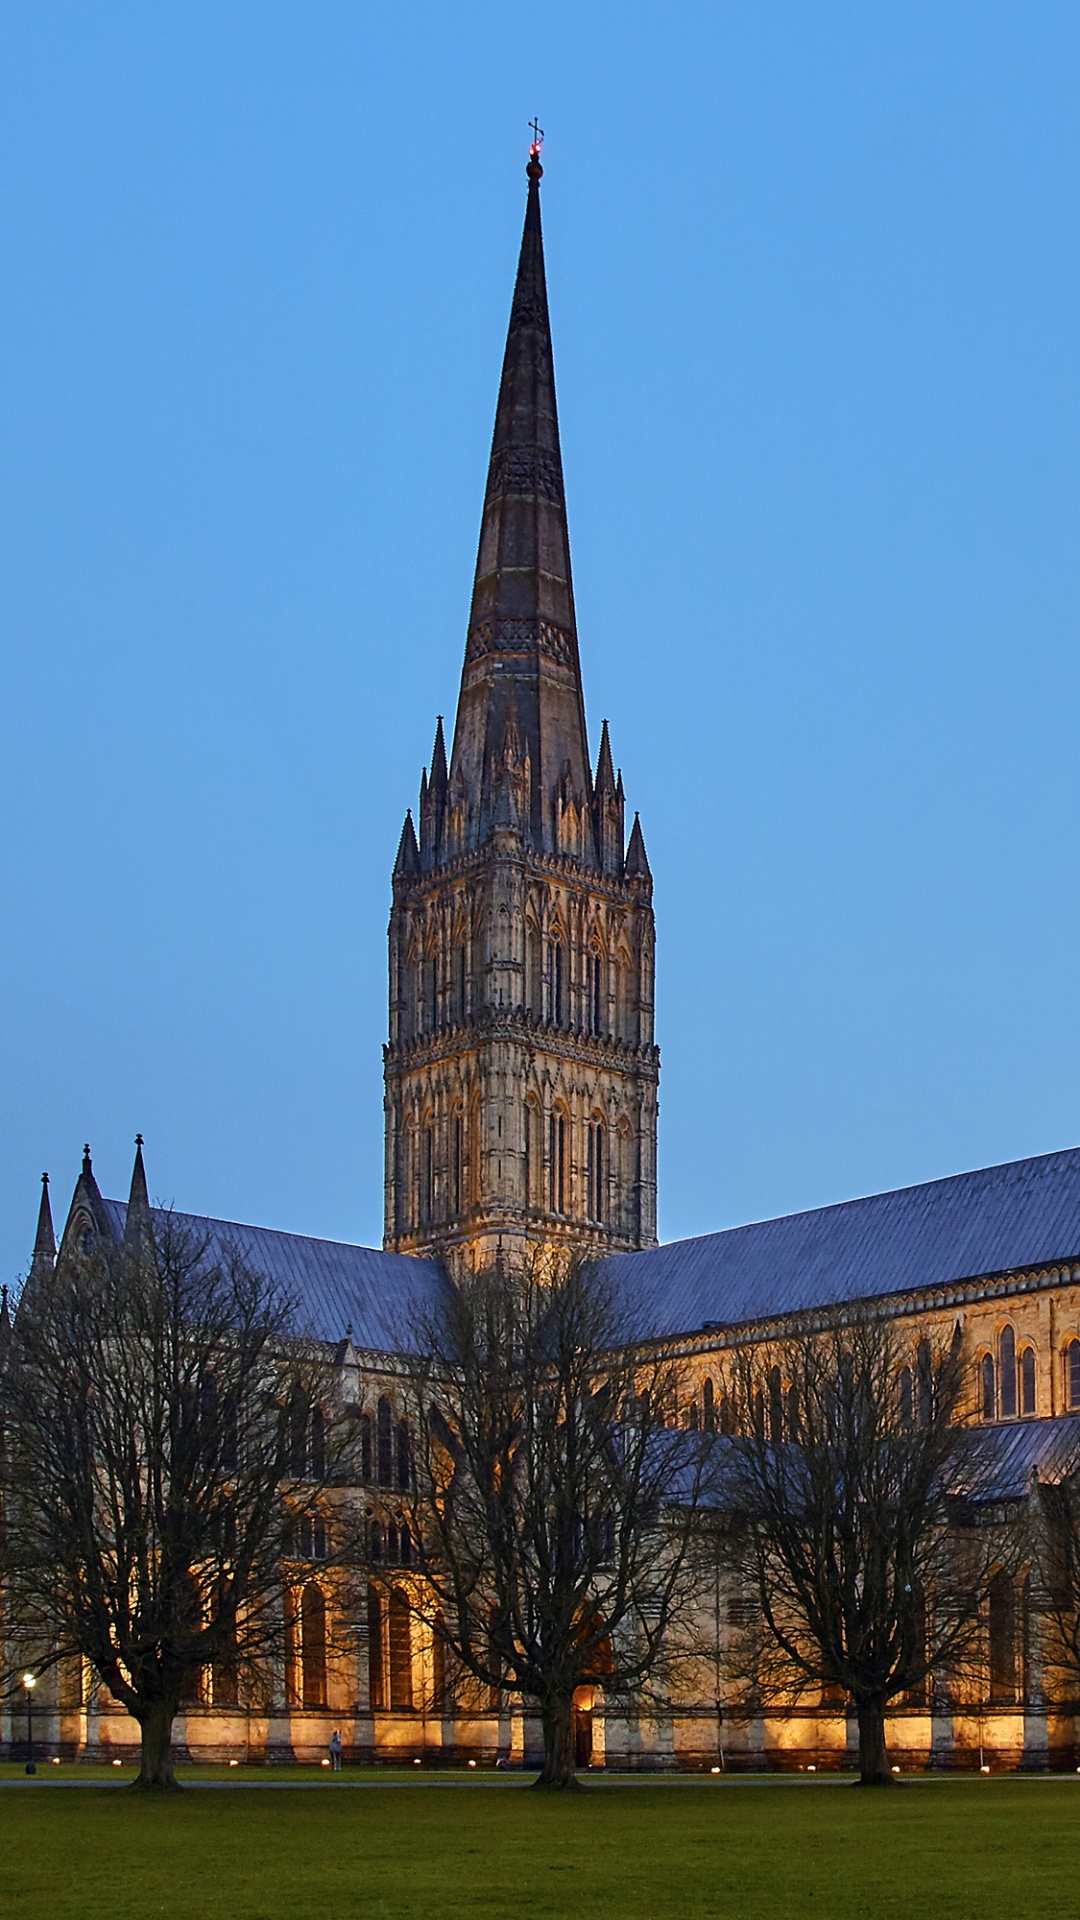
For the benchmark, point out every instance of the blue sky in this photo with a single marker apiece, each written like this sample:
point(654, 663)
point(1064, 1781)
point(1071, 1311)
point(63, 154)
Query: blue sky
point(814, 279)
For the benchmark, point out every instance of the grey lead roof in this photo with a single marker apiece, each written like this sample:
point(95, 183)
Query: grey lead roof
point(339, 1287)
point(1023, 1214)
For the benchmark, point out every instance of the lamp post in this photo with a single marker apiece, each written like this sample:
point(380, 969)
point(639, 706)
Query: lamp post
point(29, 1681)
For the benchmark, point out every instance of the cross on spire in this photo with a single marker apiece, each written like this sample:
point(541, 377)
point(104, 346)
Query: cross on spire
point(537, 134)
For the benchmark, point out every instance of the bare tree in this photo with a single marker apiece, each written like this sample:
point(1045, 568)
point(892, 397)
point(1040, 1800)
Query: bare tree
point(168, 1451)
point(552, 1506)
point(838, 1482)
point(1054, 1537)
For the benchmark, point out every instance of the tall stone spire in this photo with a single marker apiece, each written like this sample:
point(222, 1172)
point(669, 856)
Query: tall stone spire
point(521, 714)
point(521, 1069)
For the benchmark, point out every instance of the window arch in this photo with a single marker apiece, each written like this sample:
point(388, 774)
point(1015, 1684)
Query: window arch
point(906, 1392)
point(376, 1685)
point(594, 991)
point(1007, 1381)
point(1072, 1373)
point(557, 1161)
point(534, 985)
point(299, 1411)
point(384, 1466)
point(400, 1639)
point(708, 1402)
point(461, 994)
point(556, 981)
point(313, 1645)
point(534, 1152)
point(596, 1169)
point(924, 1372)
point(438, 1663)
point(1002, 1637)
point(776, 1405)
point(317, 1445)
point(427, 1172)
point(1027, 1382)
point(404, 1457)
point(458, 1158)
point(988, 1387)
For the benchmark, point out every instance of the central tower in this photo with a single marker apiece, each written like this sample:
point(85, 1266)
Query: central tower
point(521, 1072)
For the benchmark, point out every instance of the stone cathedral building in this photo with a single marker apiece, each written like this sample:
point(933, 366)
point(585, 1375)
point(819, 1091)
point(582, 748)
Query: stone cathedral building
point(521, 1077)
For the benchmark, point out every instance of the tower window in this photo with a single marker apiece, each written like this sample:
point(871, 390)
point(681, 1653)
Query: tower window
point(557, 1162)
point(463, 983)
point(555, 985)
point(427, 1176)
point(596, 1170)
point(459, 1163)
point(594, 981)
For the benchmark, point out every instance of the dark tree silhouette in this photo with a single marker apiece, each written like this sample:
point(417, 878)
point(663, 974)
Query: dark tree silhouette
point(159, 1478)
point(551, 1506)
point(845, 1531)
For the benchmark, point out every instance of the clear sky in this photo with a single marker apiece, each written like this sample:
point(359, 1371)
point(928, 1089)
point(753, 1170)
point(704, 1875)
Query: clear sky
point(814, 281)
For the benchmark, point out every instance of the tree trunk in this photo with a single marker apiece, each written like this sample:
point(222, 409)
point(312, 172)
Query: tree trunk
point(155, 1755)
point(874, 1769)
point(558, 1722)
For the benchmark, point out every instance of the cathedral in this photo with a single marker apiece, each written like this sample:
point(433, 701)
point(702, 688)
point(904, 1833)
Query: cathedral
point(520, 1090)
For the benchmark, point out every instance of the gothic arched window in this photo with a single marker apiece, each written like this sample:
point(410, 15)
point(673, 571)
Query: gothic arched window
point(556, 983)
point(594, 994)
point(1007, 1354)
point(404, 1457)
point(427, 1173)
point(1072, 1373)
point(907, 1396)
point(596, 1170)
point(708, 1401)
point(376, 1689)
point(1027, 1382)
point(988, 1387)
point(557, 1161)
point(924, 1376)
point(365, 1447)
point(462, 995)
point(313, 1645)
point(400, 1638)
point(385, 1444)
point(458, 1169)
point(776, 1405)
point(317, 1445)
point(1002, 1639)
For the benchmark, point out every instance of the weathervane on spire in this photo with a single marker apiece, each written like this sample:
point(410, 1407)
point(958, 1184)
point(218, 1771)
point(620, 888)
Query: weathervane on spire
point(534, 169)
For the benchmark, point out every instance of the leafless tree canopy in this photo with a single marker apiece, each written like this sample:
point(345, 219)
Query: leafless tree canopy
point(552, 1504)
point(166, 1439)
point(839, 1482)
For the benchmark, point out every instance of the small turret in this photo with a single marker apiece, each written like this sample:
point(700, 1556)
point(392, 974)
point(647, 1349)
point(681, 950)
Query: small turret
point(608, 810)
point(137, 1222)
point(45, 1238)
point(407, 864)
point(433, 802)
point(637, 861)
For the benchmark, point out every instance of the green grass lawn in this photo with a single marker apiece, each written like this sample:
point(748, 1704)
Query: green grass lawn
point(997, 1849)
